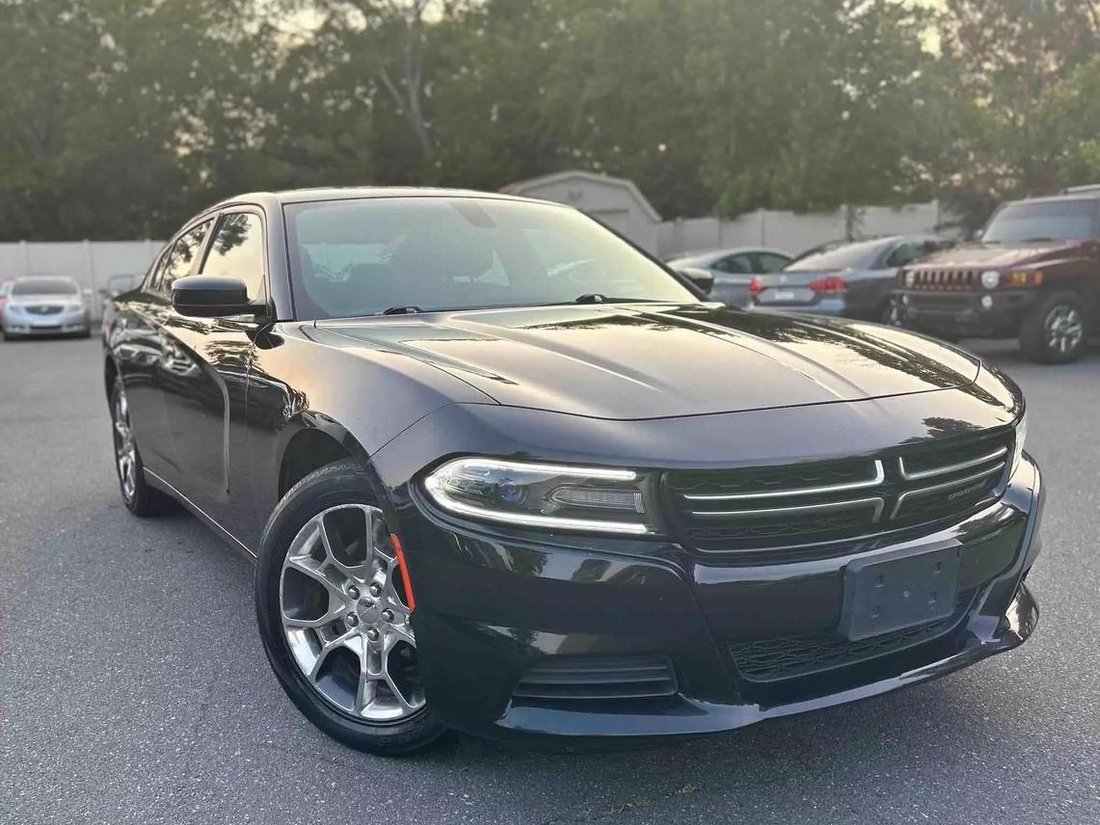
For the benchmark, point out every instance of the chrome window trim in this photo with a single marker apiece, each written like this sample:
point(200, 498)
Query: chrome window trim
point(950, 468)
point(880, 476)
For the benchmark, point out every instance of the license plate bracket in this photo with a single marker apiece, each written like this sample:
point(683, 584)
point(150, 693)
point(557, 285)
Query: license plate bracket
point(901, 590)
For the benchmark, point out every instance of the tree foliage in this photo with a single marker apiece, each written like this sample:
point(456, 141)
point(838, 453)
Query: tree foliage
point(119, 118)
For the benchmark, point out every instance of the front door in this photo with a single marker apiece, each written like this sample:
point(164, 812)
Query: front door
point(205, 367)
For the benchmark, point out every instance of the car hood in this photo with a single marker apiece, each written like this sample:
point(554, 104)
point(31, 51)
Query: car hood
point(50, 300)
point(1000, 255)
point(643, 361)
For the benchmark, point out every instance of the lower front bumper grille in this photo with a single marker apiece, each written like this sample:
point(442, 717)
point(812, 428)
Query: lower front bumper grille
point(791, 657)
point(598, 677)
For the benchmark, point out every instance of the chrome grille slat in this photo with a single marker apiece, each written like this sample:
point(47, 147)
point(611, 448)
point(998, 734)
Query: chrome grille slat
point(879, 477)
point(802, 509)
point(819, 508)
point(946, 485)
point(949, 468)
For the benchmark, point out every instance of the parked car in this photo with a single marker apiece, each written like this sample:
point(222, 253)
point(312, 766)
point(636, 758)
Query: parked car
point(1033, 275)
point(725, 274)
point(491, 492)
point(5, 291)
point(852, 279)
point(45, 306)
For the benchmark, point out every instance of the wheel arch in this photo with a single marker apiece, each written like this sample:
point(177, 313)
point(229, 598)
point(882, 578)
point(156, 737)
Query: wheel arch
point(316, 442)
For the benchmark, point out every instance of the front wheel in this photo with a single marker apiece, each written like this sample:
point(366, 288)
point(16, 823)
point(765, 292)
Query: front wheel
point(335, 615)
point(1056, 330)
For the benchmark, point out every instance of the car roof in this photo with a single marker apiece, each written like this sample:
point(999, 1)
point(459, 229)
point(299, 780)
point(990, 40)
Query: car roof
point(1069, 196)
point(334, 193)
point(730, 250)
point(45, 278)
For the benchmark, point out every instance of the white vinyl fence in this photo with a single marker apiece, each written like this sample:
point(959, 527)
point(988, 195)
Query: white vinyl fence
point(795, 233)
point(91, 263)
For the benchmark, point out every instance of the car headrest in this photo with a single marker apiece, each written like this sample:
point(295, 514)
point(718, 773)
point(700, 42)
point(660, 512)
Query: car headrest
point(436, 258)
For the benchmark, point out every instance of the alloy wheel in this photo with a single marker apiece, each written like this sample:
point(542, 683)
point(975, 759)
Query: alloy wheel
point(125, 452)
point(1064, 328)
point(346, 616)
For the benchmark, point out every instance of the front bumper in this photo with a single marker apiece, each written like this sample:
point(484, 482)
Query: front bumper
point(490, 608)
point(962, 313)
point(61, 323)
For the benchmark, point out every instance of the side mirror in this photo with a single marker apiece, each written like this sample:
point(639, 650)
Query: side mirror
point(702, 278)
point(211, 296)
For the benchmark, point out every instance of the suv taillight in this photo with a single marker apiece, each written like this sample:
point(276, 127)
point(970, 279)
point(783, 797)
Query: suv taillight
point(833, 285)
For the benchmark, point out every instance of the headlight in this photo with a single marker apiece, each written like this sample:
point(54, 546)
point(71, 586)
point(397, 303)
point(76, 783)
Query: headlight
point(910, 278)
point(541, 495)
point(991, 278)
point(1021, 436)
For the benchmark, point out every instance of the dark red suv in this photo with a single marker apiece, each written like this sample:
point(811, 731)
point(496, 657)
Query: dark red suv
point(1034, 274)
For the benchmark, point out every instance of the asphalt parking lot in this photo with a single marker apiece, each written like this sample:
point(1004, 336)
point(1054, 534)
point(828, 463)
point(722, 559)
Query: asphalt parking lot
point(133, 687)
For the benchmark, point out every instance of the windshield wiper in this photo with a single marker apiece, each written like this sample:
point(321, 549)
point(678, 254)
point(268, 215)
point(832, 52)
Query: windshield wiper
point(402, 310)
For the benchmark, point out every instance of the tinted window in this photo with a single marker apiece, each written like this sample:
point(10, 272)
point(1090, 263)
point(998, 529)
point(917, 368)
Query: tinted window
point(740, 264)
point(237, 251)
point(1053, 220)
point(181, 259)
point(45, 286)
point(850, 256)
point(770, 262)
point(361, 257)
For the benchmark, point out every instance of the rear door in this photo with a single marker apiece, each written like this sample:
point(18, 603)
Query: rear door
point(206, 368)
point(136, 338)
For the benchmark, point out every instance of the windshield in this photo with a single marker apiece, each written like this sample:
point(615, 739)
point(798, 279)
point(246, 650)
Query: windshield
point(1052, 220)
point(849, 256)
point(44, 286)
point(366, 256)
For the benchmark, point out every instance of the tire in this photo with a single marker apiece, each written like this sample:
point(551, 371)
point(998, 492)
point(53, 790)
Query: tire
point(338, 500)
point(1056, 330)
point(890, 315)
point(140, 498)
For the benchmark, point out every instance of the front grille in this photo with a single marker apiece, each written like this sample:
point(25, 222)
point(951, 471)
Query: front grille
point(44, 310)
point(791, 657)
point(945, 279)
point(598, 677)
point(749, 509)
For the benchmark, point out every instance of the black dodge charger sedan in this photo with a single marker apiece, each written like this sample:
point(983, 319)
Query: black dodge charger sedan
point(505, 473)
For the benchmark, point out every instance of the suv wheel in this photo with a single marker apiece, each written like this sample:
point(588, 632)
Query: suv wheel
point(1056, 330)
point(335, 617)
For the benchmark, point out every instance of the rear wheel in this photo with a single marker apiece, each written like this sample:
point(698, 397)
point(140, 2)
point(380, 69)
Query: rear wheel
point(1056, 330)
point(138, 495)
point(335, 616)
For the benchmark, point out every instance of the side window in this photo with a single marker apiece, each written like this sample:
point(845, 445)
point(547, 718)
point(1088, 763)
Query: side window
point(237, 251)
point(736, 264)
point(905, 253)
point(769, 262)
point(152, 279)
point(180, 261)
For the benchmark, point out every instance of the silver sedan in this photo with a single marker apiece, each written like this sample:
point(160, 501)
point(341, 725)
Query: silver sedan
point(725, 274)
point(45, 306)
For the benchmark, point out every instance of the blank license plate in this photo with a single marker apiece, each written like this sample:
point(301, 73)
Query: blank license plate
point(887, 594)
point(786, 296)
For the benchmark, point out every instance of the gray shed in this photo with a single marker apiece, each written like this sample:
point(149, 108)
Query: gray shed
point(616, 202)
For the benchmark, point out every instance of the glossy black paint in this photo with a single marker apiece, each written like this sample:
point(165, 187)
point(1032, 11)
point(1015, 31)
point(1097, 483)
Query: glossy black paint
point(222, 407)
